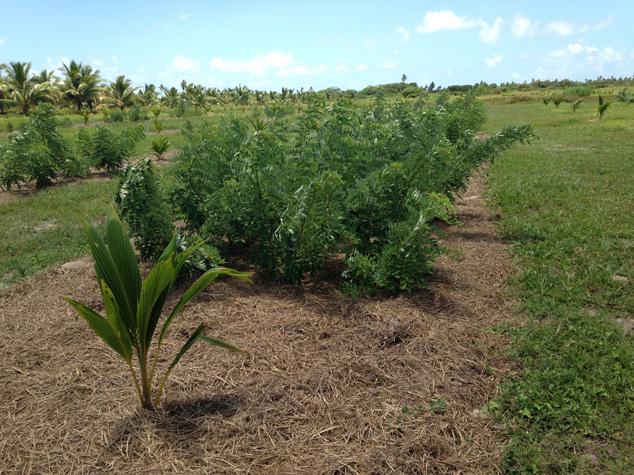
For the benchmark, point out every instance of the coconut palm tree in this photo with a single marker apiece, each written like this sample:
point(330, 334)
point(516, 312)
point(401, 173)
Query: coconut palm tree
point(148, 95)
point(121, 93)
point(81, 84)
point(170, 96)
point(22, 89)
point(4, 96)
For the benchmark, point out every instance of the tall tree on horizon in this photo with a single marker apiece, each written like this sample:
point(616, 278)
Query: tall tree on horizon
point(81, 84)
point(23, 89)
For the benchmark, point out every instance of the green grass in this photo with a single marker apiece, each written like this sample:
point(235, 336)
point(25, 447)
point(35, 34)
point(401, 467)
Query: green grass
point(43, 230)
point(567, 204)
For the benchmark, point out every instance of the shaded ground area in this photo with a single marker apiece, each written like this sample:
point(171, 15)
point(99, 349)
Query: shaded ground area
point(332, 385)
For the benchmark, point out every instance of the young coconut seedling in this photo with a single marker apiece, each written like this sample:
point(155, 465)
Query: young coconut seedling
point(576, 104)
point(603, 106)
point(160, 146)
point(134, 306)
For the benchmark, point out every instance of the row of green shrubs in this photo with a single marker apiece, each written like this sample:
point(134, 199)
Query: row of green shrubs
point(39, 154)
point(363, 186)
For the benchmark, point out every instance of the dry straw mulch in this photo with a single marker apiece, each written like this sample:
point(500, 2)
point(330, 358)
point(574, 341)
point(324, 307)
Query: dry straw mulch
point(322, 392)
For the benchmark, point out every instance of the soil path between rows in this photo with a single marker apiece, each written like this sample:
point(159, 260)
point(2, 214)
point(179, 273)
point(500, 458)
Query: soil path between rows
point(332, 385)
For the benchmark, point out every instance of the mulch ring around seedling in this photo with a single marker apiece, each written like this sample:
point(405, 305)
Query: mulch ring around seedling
point(330, 385)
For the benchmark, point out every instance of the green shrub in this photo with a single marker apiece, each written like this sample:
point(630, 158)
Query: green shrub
point(578, 91)
point(108, 150)
point(115, 115)
point(367, 182)
point(136, 114)
point(141, 204)
point(38, 154)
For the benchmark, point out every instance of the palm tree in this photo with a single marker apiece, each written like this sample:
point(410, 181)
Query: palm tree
point(4, 96)
point(81, 84)
point(23, 90)
point(148, 95)
point(121, 92)
point(170, 96)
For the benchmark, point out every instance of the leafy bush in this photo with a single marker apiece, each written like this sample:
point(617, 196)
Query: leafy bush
point(141, 204)
point(108, 150)
point(134, 306)
point(115, 115)
point(38, 154)
point(366, 182)
point(625, 96)
point(136, 114)
point(577, 91)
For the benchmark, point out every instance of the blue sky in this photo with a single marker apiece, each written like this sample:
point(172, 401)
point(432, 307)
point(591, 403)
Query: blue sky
point(327, 43)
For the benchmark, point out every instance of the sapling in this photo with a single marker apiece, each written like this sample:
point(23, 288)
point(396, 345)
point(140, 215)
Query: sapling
point(603, 107)
point(158, 125)
point(160, 146)
point(134, 306)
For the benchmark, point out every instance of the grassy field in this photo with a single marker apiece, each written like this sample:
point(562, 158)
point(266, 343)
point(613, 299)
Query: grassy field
point(567, 205)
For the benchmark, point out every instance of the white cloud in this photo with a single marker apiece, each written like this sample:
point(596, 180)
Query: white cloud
point(182, 63)
point(494, 60)
point(361, 68)
point(560, 27)
point(404, 33)
point(445, 20)
point(491, 34)
point(3, 40)
point(256, 66)
point(389, 65)
point(523, 27)
point(184, 16)
point(583, 58)
point(572, 50)
point(283, 64)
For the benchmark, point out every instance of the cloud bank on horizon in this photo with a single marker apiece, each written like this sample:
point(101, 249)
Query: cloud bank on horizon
point(326, 44)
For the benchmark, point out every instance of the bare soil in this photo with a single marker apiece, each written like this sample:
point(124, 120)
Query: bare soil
point(331, 385)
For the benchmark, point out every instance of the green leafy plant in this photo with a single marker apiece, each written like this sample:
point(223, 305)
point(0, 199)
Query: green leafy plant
point(108, 150)
point(134, 307)
point(136, 114)
point(576, 104)
point(364, 182)
point(85, 115)
point(157, 124)
point(39, 153)
point(625, 96)
point(140, 203)
point(160, 145)
point(602, 107)
point(115, 115)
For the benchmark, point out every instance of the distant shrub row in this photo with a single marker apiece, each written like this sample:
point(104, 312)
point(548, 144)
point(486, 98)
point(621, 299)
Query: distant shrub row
point(38, 153)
